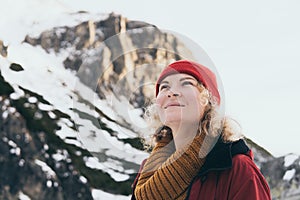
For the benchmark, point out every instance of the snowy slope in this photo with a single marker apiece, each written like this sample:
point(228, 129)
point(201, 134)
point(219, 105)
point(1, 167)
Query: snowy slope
point(45, 74)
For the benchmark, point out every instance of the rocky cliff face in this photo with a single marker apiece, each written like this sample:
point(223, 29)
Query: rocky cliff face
point(33, 160)
point(71, 109)
point(112, 51)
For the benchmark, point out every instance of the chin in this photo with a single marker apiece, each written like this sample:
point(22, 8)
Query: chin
point(170, 122)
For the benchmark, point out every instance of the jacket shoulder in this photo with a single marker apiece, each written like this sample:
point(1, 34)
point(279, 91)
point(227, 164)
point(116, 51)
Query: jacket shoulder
point(244, 163)
point(247, 178)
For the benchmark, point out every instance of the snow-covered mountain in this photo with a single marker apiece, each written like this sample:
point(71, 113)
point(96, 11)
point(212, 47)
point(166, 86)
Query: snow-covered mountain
point(72, 98)
point(70, 123)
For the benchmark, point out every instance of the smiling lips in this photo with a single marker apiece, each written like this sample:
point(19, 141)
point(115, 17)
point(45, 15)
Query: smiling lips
point(173, 104)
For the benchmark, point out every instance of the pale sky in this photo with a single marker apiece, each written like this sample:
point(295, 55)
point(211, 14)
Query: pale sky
point(253, 44)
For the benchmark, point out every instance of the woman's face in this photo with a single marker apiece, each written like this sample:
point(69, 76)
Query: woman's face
point(179, 100)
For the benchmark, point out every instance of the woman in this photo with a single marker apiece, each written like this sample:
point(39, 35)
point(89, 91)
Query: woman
point(197, 155)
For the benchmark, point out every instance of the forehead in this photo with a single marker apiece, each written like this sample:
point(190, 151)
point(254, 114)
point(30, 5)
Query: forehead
point(177, 77)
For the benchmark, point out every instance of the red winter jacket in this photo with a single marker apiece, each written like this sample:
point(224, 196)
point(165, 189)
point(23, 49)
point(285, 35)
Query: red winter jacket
point(228, 173)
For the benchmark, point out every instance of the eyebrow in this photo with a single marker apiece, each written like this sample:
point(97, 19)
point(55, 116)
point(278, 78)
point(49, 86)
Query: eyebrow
point(186, 78)
point(164, 82)
point(182, 79)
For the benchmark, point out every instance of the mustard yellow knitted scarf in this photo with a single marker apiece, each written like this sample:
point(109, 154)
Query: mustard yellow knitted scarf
point(167, 172)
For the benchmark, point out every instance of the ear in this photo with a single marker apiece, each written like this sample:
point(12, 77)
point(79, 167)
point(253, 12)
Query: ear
point(204, 97)
point(203, 101)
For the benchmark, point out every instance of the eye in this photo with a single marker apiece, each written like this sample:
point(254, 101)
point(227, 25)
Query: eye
point(189, 82)
point(163, 87)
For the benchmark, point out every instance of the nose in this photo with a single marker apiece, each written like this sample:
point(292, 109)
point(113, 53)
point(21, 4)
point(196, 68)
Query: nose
point(173, 93)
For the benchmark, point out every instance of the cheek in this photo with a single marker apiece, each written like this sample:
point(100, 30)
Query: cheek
point(159, 100)
point(198, 105)
point(158, 104)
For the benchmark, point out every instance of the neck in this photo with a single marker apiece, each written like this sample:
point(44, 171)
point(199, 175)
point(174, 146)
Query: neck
point(184, 134)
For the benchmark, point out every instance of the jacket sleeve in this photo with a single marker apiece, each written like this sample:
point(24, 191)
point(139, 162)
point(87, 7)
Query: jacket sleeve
point(247, 181)
point(136, 179)
point(167, 175)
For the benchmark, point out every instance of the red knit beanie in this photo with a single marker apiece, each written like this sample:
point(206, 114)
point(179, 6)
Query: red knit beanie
point(198, 71)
